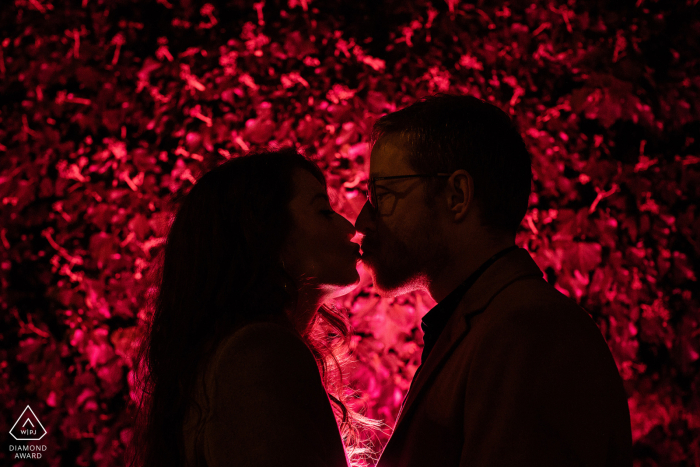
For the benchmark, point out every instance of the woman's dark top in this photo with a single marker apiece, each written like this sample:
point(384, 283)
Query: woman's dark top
point(267, 404)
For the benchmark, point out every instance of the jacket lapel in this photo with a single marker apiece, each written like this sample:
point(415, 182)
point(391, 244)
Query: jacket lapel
point(506, 270)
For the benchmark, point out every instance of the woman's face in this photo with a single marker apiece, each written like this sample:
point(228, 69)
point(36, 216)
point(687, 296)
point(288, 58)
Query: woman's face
point(318, 252)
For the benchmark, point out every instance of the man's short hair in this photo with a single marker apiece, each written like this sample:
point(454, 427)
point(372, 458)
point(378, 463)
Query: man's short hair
point(445, 133)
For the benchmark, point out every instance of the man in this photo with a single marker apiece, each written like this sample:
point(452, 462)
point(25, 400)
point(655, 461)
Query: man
point(513, 372)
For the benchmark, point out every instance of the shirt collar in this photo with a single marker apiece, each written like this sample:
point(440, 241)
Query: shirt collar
point(438, 316)
point(436, 319)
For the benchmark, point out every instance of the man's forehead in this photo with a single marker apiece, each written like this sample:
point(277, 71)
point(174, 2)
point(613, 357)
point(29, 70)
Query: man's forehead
point(389, 157)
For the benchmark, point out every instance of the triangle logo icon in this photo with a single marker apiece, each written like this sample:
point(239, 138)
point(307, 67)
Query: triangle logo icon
point(28, 427)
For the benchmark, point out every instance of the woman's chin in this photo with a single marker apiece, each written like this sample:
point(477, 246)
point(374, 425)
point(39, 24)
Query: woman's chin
point(343, 287)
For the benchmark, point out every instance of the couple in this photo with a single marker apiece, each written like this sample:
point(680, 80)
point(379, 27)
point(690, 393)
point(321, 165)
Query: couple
point(513, 373)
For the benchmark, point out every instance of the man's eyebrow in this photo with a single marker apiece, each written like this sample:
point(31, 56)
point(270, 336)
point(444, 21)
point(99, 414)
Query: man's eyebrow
point(322, 196)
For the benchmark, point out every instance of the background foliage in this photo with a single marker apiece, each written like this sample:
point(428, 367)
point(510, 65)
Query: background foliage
point(110, 108)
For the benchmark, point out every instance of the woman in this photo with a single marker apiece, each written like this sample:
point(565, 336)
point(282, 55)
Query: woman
point(254, 251)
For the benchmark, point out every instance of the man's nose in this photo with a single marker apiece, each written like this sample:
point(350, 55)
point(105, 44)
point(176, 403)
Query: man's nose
point(365, 220)
point(348, 227)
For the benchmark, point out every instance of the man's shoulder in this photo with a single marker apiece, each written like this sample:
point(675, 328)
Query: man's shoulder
point(532, 326)
point(537, 298)
point(531, 308)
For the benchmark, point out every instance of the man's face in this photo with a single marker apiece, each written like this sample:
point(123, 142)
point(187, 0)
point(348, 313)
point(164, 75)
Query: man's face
point(402, 241)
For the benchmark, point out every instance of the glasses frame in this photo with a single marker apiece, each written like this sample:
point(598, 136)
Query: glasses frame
point(372, 187)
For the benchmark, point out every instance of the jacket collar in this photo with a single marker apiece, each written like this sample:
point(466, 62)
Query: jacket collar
point(511, 267)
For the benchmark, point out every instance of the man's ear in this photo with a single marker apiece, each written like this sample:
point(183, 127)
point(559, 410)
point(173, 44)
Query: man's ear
point(460, 194)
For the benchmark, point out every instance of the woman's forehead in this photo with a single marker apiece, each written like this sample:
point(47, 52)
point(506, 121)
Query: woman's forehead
point(306, 184)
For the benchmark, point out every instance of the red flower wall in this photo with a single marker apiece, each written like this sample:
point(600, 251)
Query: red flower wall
point(110, 109)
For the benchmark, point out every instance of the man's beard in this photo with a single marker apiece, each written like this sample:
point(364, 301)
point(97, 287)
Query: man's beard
point(400, 268)
point(393, 274)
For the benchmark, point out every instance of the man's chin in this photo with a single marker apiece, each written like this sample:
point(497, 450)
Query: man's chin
point(386, 287)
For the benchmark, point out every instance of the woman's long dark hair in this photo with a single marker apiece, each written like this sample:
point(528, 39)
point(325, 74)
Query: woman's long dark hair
point(221, 269)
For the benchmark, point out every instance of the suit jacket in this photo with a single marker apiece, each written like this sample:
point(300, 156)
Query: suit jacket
point(520, 376)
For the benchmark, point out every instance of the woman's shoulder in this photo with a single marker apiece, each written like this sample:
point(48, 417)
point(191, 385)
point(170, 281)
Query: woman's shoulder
point(270, 402)
point(263, 337)
point(265, 347)
point(265, 329)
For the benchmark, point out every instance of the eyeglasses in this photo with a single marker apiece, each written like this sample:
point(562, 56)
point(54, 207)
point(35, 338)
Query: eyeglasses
point(372, 187)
